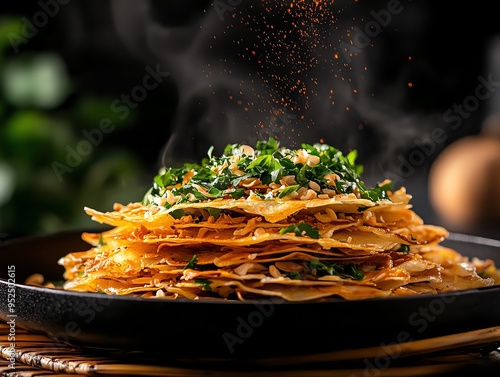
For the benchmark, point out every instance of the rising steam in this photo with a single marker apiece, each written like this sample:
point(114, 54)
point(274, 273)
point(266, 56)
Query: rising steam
point(275, 69)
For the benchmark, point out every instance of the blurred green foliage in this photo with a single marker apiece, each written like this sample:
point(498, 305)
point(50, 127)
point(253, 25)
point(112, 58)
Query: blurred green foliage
point(38, 125)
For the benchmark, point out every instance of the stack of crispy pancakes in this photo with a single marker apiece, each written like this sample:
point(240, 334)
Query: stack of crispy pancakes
point(310, 244)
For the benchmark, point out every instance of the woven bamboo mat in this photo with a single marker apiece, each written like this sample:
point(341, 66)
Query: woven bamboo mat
point(38, 355)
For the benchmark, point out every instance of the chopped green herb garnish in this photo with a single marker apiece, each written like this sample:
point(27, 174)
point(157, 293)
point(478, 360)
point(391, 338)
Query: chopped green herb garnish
point(237, 194)
point(177, 213)
point(404, 248)
point(379, 192)
point(301, 230)
point(294, 275)
point(192, 263)
point(288, 191)
point(224, 176)
point(346, 271)
point(204, 284)
point(215, 212)
point(267, 147)
point(350, 269)
point(267, 168)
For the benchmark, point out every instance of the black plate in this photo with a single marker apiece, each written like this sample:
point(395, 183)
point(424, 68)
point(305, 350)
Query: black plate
point(222, 329)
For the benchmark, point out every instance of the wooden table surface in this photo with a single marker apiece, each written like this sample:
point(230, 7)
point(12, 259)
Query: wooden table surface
point(472, 352)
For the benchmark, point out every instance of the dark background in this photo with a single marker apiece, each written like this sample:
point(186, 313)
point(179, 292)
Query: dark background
point(439, 47)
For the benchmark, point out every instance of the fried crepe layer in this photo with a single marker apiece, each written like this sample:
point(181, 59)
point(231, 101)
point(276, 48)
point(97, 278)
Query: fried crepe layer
point(297, 250)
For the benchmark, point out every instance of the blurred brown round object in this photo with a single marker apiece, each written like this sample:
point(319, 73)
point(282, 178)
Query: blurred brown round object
point(464, 182)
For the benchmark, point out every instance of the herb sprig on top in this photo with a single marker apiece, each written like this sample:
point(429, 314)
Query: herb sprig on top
point(268, 171)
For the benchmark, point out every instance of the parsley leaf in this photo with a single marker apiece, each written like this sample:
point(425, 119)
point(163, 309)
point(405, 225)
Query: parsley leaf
point(349, 270)
point(215, 212)
point(237, 194)
point(294, 275)
point(192, 263)
point(288, 191)
point(301, 230)
point(177, 213)
point(378, 193)
point(267, 168)
point(404, 248)
point(267, 147)
point(204, 284)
